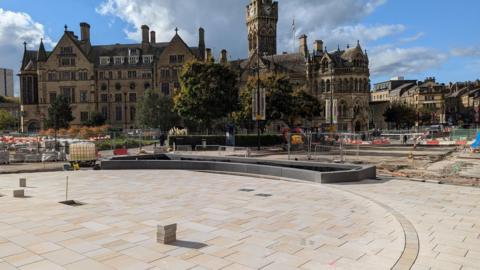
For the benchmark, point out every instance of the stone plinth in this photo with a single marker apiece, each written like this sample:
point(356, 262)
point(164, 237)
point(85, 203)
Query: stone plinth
point(167, 234)
point(23, 182)
point(19, 193)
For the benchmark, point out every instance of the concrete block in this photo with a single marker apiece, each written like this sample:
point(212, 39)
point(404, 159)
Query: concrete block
point(23, 182)
point(19, 193)
point(167, 234)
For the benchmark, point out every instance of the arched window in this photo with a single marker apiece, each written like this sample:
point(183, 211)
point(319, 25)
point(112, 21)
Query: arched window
point(339, 86)
point(324, 65)
point(342, 109)
point(322, 86)
point(328, 86)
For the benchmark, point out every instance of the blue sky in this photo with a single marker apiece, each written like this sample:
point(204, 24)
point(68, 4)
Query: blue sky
point(407, 38)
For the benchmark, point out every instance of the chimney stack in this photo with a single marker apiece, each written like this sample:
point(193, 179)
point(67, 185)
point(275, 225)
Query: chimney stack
point(303, 45)
point(223, 57)
point(145, 30)
point(85, 31)
point(208, 53)
point(318, 47)
point(201, 43)
point(153, 38)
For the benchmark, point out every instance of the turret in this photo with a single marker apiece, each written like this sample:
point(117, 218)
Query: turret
point(201, 44)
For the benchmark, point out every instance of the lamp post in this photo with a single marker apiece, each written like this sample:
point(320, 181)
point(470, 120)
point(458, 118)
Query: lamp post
point(258, 99)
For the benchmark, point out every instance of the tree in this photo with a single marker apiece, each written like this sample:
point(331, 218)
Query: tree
point(96, 120)
point(7, 121)
point(59, 113)
point(208, 92)
point(155, 111)
point(282, 102)
point(401, 115)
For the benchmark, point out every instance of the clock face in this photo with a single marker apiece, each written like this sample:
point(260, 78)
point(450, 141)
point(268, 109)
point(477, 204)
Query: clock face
point(268, 10)
point(252, 11)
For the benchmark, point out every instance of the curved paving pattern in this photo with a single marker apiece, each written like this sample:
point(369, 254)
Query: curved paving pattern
point(301, 226)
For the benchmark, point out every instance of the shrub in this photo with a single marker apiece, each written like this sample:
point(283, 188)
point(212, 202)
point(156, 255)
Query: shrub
point(240, 140)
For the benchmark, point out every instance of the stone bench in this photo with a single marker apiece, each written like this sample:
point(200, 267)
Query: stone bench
point(167, 234)
point(18, 193)
point(22, 182)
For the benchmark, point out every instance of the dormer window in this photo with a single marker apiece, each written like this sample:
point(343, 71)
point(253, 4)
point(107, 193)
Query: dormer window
point(118, 60)
point(133, 60)
point(147, 59)
point(104, 60)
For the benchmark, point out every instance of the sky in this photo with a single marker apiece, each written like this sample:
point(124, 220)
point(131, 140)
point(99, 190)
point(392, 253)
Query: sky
point(411, 38)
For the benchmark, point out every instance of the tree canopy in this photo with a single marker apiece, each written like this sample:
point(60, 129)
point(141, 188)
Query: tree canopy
point(96, 120)
point(59, 113)
point(402, 115)
point(208, 92)
point(7, 121)
point(156, 111)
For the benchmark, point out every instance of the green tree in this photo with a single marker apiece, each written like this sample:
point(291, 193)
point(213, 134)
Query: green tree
point(59, 113)
point(7, 121)
point(401, 115)
point(155, 111)
point(208, 92)
point(96, 120)
point(282, 102)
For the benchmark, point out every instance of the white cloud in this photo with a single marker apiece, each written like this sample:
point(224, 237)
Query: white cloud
point(16, 28)
point(412, 38)
point(473, 51)
point(389, 61)
point(335, 21)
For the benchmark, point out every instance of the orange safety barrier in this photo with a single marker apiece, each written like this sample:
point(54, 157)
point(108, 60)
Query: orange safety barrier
point(120, 152)
point(433, 142)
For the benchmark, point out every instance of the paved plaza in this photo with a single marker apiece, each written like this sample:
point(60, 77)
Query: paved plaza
point(234, 222)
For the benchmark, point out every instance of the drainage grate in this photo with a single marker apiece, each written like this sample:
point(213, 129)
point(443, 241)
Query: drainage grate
point(72, 203)
point(263, 195)
point(246, 190)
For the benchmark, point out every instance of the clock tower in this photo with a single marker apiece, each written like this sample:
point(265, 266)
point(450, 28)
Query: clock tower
point(262, 18)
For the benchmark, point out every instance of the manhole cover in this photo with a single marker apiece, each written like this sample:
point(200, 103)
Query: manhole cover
point(246, 190)
point(72, 203)
point(263, 195)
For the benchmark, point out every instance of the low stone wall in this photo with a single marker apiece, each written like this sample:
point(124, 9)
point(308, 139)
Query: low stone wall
point(306, 171)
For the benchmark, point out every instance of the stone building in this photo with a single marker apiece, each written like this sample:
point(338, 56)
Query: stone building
point(6, 82)
point(339, 79)
point(463, 103)
point(100, 78)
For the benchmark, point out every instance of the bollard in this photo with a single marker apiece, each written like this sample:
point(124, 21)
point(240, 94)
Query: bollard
point(19, 193)
point(23, 182)
point(167, 234)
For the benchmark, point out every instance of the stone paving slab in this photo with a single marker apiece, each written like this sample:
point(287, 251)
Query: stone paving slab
point(301, 226)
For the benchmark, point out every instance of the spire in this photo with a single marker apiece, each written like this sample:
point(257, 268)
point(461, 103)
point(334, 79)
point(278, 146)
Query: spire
point(358, 43)
point(338, 49)
point(41, 54)
point(66, 28)
point(176, 30)
point(25, 46)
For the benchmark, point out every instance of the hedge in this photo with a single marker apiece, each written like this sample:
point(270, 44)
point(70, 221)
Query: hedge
point(240, 140)
point(121, 143)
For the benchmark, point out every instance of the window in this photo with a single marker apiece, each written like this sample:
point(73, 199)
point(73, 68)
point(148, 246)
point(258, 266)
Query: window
point(132, 74)
point(133, 60)
point(180, 58)
point(118, 97)
point(166, 89)
point(132, 97)
point(118, 60)
point(177, 59)
point(52, 96)
point(66, 50)
point(101, 75)
point(133, 113)
point(84, 116)
point(132, 86)
point(118, 86)
point(110, 75)
point(83, 96)
point(119, 74)
point(67, 76)
point(147, 59)
point(173, 59)
point(104, 60)
point(175, 73)
point(83, 76)
point(105, 112)
point(104, 98)
point(67, 61)
point(103, 86)
point(52, 76)
point(147, 75)
point(118, 113)
point(165, 73)
point(69, 93)
point(146, 85)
